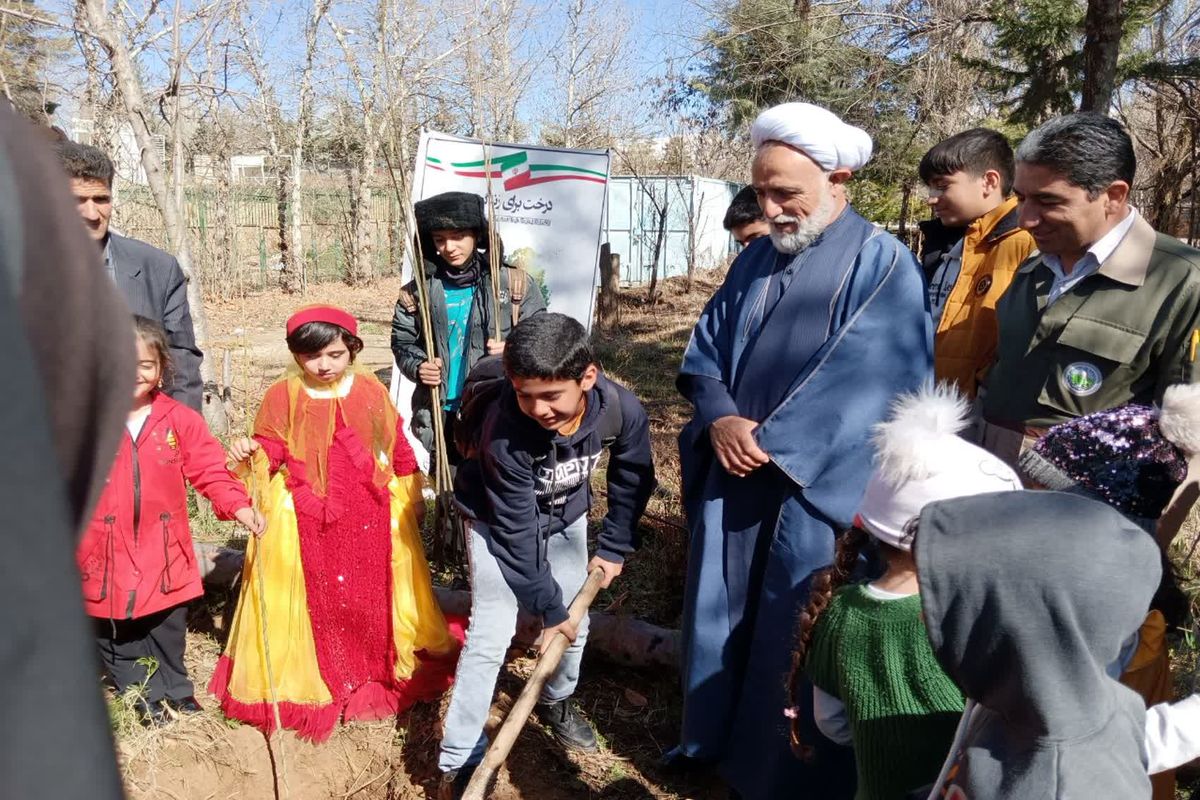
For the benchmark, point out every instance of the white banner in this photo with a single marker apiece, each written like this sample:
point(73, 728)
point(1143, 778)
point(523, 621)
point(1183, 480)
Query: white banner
point(549, 211)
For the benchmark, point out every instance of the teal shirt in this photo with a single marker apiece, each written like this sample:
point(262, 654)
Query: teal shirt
point(458, 315)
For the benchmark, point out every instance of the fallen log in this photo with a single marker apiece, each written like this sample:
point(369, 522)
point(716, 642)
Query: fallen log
point(618, 638)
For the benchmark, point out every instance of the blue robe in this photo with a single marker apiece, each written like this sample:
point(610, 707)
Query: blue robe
point(813, 347)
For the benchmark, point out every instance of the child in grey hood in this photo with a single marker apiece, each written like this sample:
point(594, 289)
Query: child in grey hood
point(1027, 597)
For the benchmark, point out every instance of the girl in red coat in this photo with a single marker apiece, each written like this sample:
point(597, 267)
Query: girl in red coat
point(136, 558)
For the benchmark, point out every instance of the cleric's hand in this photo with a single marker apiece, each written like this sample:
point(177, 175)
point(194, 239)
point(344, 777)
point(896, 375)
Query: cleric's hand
point(733, 441)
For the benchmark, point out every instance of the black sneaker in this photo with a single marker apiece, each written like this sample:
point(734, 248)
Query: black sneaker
point(154, 715)
point(569, 728)
point(188, 705)
point(453, 783)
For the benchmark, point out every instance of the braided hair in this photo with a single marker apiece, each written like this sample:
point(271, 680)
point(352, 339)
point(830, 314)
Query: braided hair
point(827, 581)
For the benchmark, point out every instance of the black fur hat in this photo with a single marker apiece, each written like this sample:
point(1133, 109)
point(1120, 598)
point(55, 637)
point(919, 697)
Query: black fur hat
point(451, 211)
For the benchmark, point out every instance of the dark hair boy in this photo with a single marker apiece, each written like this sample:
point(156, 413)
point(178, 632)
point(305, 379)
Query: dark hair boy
point(526, 494)
point(969, 177)
point(744, 218)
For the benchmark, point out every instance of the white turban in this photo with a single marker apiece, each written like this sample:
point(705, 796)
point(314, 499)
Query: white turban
point(816, 132)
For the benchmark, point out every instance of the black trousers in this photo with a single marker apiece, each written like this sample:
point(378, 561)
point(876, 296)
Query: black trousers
point(161, 637)
point(451, 420)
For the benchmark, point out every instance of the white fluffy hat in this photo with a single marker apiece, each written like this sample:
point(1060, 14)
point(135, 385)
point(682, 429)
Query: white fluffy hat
point(920, 458)
point(817, 132)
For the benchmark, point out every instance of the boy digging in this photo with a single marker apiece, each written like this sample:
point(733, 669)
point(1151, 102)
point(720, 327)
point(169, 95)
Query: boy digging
point(525, 493)
point(969, 177)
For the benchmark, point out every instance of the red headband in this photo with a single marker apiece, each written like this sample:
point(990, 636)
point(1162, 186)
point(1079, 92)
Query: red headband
point(330, 314)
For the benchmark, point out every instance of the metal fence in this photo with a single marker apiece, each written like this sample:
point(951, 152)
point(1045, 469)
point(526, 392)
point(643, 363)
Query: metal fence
point(234, 234)
point(693, 230)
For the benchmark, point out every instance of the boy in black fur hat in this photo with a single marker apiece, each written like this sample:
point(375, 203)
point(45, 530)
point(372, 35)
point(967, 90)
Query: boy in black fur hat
point(454, 237)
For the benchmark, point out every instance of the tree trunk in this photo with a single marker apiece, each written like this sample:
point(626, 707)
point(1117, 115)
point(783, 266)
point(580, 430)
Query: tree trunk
point(135, 110)
point(1101, 47)
point(693, 214)
point(352, 253)
point(365, 244)
point(296, 200)
point(652, 294)
point(608, 308)
point(905, 203)
point(1191, 234)
point(288, 255)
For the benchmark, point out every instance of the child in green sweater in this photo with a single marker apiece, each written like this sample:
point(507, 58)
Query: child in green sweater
point(876, 683)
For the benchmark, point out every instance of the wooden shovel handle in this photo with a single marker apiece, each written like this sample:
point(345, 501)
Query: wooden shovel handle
point(500, 746)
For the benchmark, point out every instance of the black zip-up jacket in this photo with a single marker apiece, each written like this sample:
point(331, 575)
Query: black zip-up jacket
point(529, 483)
point(411, 350)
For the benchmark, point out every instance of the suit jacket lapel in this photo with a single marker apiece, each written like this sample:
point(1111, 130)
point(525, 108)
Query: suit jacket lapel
point(125, 269)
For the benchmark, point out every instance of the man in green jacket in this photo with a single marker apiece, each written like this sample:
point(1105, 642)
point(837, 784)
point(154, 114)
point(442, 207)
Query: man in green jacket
point(454, 237)
point(1107, 311)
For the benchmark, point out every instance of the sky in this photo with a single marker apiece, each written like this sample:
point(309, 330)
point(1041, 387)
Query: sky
point(669, 30)
point(662, 32)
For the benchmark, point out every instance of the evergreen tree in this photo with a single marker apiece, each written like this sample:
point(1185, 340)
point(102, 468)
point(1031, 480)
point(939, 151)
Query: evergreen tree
point(27, 53)
point(1038, 69)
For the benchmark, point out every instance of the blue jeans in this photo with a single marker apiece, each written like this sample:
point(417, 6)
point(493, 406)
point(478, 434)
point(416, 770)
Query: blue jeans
point(493, 623)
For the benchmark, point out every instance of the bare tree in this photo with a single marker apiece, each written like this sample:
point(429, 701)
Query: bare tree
point(304, 116)
point(660, 204)
point(285, 138)
point(137, 115)
point(488, 79)
point(589, 77)
point(367, 78)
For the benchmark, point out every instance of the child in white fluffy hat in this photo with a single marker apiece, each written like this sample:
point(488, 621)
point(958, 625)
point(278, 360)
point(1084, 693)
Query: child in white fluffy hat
point(876, 683)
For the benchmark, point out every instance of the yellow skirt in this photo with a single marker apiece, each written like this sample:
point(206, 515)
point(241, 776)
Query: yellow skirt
point(270, 661)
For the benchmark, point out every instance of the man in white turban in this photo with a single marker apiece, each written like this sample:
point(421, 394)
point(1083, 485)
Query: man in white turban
point(792, 362)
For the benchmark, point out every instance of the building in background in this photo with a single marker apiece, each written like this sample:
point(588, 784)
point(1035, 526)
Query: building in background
point(691, 228)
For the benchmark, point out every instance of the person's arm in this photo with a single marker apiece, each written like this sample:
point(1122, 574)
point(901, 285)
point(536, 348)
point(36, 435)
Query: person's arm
point(709, 397)
point(702, 375)
point(203, 465)
point(407, 346)
point(884, 348)
point(703, 380)
point(1172, 734)
point(830, 715)
point(515, 539)
point(187, 386)
point(630, 482)
point(534, 300)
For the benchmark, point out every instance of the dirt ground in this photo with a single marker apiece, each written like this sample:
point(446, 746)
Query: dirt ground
point(636, 711)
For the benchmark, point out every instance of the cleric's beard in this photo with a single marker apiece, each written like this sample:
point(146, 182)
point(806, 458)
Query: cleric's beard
point(807, 228)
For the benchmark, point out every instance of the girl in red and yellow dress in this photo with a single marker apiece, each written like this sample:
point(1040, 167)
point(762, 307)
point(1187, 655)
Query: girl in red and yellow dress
point(337, 617)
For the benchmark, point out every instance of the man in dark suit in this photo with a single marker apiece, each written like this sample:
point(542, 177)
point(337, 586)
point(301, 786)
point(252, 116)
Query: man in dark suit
point(150, 280)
